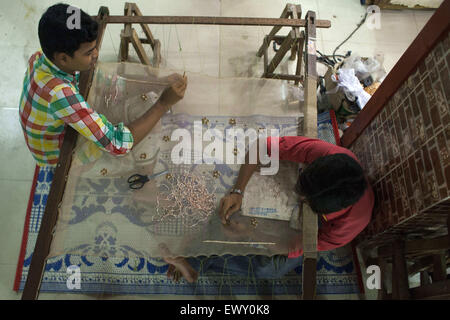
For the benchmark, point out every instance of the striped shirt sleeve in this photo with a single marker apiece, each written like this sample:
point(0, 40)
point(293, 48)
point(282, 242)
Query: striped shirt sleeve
point(69, 106)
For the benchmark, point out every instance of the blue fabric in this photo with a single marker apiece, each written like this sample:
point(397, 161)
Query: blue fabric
point(255, 266)
point(258, 267)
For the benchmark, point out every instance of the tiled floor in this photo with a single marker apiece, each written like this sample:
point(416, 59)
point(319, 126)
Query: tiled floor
point(212, 50)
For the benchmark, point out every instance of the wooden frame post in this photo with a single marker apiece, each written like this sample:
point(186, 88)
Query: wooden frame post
point(129, 34)
point(309, 230)
point(294, 42)
point(285, 47)
point(125, 35)
point(45, 236)
point(400, 285)
point(310, 222)
point(295, 13)
point(301, 43)
point(272, 33)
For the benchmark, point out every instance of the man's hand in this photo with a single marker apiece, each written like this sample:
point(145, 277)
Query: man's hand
point(229, 205)
point(175, 92)
point(174, 77)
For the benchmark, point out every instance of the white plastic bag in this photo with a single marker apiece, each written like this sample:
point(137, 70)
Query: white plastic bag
point(363, 67)
point(353, 89)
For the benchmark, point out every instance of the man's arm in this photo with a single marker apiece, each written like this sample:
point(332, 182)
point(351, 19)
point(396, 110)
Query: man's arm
point(232, 202)
point(296, 149)
point(142, 126)
point(69, 106)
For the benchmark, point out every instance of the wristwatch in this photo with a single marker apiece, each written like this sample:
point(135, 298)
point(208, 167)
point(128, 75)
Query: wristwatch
point(238, 191)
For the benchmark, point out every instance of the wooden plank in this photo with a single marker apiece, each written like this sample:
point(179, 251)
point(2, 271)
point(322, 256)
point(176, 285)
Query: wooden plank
point(437, 27)
point(156, 51)
point(421, 265)
point(125, 35)
point(448, 226)
point(400, 285)
point(139, 48)
point(294, 49)
point(310, 228)
point(266, 59)
point(420, 246)
point(231, 21)
point(45, 236)
point(297, 14)
point(309, 278)
point(272, 32)
point(44, 239)
point(263, 47)
point(439, 267)
point(145, 27)
point(124, 46)
point(310, 233)
point(157, 54)
point(440, 290)
point(294, 14)
point(301, 43)
point(310, 82)
point(382, 293)
point(144, 41)
point(284, 76)
point(285, 46)
point(154, 43)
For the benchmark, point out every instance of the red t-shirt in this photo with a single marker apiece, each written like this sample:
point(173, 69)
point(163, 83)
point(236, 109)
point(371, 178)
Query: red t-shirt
point(344, 225)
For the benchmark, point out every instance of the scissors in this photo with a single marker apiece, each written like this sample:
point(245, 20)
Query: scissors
point(137, 181)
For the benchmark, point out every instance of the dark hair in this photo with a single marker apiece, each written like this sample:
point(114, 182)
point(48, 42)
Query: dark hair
point(331, 183)
point(55, 36)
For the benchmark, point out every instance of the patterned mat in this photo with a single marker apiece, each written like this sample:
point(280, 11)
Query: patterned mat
point(336, 272)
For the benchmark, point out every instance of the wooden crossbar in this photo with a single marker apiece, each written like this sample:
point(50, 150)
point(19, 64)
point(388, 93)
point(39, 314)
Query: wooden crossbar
point(231, 21)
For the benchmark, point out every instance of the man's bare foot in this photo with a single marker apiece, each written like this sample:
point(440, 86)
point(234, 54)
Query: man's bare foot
point(178, 264)
point(173, 273)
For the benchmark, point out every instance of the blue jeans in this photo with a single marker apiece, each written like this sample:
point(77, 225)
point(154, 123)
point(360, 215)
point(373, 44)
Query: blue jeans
point(259, 267)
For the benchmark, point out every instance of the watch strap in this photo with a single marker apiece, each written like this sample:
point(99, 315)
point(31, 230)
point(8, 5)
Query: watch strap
point(237, 191)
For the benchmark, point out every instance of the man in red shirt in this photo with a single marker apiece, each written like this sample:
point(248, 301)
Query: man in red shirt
point(333, 184)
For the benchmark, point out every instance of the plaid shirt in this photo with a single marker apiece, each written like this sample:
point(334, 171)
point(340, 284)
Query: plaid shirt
point(50, 99)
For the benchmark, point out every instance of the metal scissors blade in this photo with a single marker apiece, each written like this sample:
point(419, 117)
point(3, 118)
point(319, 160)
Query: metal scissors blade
point(137, 181)
point(158, 174)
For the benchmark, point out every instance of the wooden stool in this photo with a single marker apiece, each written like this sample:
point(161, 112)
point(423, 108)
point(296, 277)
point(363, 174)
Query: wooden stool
point(425, 256)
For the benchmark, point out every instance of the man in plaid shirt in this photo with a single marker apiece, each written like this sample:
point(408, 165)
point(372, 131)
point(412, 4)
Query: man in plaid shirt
point(50, 98)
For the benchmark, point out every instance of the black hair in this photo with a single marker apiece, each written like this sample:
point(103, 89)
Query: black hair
point(331, 183)
point(55, 35)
